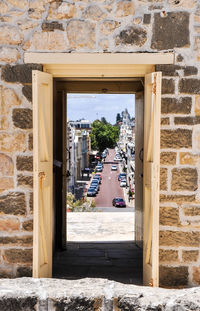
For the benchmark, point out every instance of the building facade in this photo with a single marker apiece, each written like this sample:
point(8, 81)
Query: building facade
point(106, 26)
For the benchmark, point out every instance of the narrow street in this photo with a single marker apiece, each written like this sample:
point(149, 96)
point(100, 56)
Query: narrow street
point(110, 186)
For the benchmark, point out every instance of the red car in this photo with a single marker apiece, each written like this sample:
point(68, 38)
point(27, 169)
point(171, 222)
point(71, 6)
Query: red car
point(118, 202)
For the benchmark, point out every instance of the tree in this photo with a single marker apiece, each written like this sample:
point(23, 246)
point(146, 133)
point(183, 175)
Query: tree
point(103, 120)
point(118, 118)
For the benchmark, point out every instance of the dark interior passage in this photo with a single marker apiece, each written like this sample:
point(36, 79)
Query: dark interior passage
point(117, 261)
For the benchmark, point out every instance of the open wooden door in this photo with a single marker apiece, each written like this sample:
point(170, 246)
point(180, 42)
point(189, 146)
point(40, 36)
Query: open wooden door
point(151, 183)
point(43, 173)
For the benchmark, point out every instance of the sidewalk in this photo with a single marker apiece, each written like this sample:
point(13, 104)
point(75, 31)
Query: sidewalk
point(125, 191)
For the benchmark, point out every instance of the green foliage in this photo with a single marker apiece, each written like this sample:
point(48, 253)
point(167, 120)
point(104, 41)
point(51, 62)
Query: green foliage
point(118, 118)
point(104, 135)
point(82, 205)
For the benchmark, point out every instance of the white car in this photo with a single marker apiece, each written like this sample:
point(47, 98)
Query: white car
point(123, 183)
point(114, 168)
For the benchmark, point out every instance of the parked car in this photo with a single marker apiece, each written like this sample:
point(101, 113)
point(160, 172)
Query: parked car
point(121, 176)
point(94, 183)
point(98, 174)
point(91, 192)
point(99, 169)
point(123, 183)
point(118, 202)
point(114, 168)
point(97, 178)
point(94, 187)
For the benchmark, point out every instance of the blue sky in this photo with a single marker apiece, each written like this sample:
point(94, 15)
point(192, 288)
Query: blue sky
point(93, 106)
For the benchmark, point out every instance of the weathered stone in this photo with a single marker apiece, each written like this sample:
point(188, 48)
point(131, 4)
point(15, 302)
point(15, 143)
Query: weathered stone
point(168, 70)
point(22, 118)
point(169, 216)
point(168, 86)
point(81, 34)
point(6, 165)
point(137, 20)
point(19, 73)
point(19, 4)
point(3, 8)
point(189, 158)
point(189, 86)
point(6, 273)
point(168, 255)
point(61, 10)
point(196, 138)
point(163, 179)
point(13, 203)
point(147, 19)
point(192, 211)
point(104, 44)
point(18, 255)
point(170, 31)
point(165, 121)
point(94, 12)
point(28, 225)
point(179, 238)
point(196, 275)
point(12, 142)
point(179, 58)
point(24, 163)
point(189, 256)
point(173, 276)
point(9, 55)
point(132, 35)
point(168, 158)
point(4, 123)
point(190, 71)
point(27, 24)
point(36, 9)
point(27, 92)
point(184, 179)
point(9, 35)
point(187, 120)
point(182, 4)
point(108, 26)
point(30, 141)
point(31, 203)
point(6, 183)
point(24, 240)
point(9, 224)
point(24, 272)
point(180, 105)
point(51, 26)
point(48, 41)
point(125, 8)
point(8, 99)
point(177, 198)
point(180, 138)
point(197, 105)
point(24, 181)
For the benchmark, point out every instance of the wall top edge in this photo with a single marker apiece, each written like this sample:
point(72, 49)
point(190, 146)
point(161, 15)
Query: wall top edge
point(99, 58)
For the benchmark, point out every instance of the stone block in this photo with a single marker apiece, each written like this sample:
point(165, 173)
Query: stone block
point(184, 179)
point(51, 26)
point(170, 31)
point(189, 86)
point(168, 70)
point(6, 272)
point(132, 35)
point(81, 34)
point(196, 275)
point(168, 158)
point(163, 179)
point(6, 165)
point(12, 142)
point(10, 35)
point(184, 4)
point(180, 138)
point(24, 163)
point(192, 211)
point(19, 4)
point(168, 255)
point(31, 203)
point(8, 99)
point(190, 71)
point(169, 216)
point(180, 105)
point(179, 238)
point(125, 8)
point(28, 225)
point(6, 183)
point(30, 142)
point(22, 118)
point(13, 203)
point(24, 272)
point(10, 224)
point(179, 58)
point(94, 12)
point(108, 26)
point(48, 41)
point(61, 10)
point(18, 255)
point(177, 198)
point(173, 276)
point(24, 181)
point(168, 86)
point(9, 55)
point(27, 92)
point(187, 120)
point(189, 158)
point(19, 73)
point(197, 105)
point(22, 240)
point(196, 138)
point(189, 256)
point(36, 9)
point(147, 19)
point(165, 121)
point(4, 123)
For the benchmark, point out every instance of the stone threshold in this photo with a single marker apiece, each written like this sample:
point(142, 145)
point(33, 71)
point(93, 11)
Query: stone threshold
point(29, 294)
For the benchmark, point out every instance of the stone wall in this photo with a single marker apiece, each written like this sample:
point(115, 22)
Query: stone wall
point(105, 26)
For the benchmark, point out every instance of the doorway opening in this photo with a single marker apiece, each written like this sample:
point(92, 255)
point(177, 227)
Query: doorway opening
point(95, 235)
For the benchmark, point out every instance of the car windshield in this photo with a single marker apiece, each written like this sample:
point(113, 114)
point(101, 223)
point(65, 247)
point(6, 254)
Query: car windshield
point(119, 199)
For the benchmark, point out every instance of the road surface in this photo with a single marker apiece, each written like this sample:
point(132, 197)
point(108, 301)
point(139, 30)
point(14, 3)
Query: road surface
point(110, 187)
